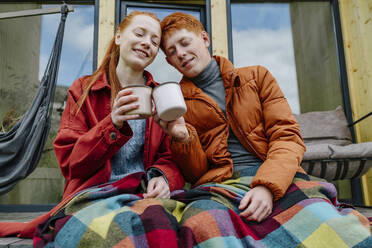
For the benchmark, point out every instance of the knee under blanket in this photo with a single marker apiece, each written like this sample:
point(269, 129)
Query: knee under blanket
point(309, 215)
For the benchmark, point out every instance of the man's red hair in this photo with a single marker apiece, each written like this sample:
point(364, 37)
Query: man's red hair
point(177, 21)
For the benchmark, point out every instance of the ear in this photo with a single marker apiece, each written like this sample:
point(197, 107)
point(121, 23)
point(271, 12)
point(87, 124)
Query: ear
point(205, 38)
point(117, 38)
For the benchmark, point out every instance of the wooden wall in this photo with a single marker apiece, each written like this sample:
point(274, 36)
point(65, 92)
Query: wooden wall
point(356, 21)
point(219, 28)
point(106, 27)
point(357, 33)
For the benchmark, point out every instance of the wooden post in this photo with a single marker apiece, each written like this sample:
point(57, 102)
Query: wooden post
point(219, 28)
point(106, 27)
point(356, 22)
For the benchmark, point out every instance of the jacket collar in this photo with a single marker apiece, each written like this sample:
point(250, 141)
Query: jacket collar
point(228, 74)
point(102, 81)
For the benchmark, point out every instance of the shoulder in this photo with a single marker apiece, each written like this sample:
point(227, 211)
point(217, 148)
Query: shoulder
point(79, 85)
point(257, 75)
point(252, 72)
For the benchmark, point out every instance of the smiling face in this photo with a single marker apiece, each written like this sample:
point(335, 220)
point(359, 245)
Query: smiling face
point(139, 42)
point(187, 51)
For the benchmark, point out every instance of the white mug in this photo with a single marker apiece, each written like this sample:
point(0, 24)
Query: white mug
point(169, 101)
point(144, 100)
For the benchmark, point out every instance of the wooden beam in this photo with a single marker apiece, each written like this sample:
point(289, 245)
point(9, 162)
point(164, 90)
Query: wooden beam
point(219, 28)
point(356, 22)
point(33, 12)
point(106, 27)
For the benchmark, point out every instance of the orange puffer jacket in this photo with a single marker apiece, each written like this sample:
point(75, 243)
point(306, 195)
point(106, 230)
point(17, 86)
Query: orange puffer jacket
point(259, 116)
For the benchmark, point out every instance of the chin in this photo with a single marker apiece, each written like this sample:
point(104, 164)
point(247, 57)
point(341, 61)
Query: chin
point(191, 74)
point(141, 64)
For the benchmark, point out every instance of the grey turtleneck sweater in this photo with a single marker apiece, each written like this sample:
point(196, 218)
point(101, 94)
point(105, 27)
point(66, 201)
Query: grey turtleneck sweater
point(210, 81)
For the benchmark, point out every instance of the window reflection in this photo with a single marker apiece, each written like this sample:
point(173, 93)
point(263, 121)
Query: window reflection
point(262, 35)
point(77, 49)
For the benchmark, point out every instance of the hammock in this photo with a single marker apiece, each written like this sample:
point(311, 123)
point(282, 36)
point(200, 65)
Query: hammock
point(21, 147)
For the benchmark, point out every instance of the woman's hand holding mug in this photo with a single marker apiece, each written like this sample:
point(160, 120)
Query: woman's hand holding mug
point(123, 103)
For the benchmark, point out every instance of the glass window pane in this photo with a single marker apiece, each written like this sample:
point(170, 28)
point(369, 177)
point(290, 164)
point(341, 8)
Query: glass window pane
point(295, 41)
point(25, 47)
point(316, 56)
point(262, 36)
point(77, 49)
point(160, 69)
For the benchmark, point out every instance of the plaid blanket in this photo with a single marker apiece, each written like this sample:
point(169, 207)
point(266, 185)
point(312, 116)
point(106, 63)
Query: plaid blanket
point(206, 216)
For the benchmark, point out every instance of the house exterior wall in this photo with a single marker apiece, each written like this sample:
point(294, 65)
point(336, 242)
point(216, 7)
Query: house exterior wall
point(356, 22)
point(19, 80)
point(357, 34)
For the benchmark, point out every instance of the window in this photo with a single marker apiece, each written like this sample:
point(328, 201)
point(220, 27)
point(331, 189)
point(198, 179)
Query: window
point(160, 69)
point(26, 44)
point(296, 42)
point(77, 50)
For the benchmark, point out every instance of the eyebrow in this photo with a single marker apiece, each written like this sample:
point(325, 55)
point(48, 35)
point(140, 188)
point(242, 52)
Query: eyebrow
point(146, 30)
point(179, 41)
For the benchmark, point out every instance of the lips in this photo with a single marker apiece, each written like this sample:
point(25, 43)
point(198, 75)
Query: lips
point(141, 52)
point(187, 62)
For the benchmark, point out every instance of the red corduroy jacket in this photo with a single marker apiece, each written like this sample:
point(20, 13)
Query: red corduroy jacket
point(86, 141)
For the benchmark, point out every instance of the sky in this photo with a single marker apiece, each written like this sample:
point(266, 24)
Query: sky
point(261, 35)
point(77, 48)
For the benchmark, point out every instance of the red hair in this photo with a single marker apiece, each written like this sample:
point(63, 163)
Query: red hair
point(177, 21)
point(110, 61)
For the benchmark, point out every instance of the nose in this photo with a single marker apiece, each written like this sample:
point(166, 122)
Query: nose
point(146, 42)
point(180, 53)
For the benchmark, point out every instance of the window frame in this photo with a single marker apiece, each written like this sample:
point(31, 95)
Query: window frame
point(204, 10)
point(338, 41)
point(94, 3)
point(341, 62)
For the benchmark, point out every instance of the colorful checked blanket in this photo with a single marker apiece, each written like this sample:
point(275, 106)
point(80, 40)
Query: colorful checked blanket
point(207, 216)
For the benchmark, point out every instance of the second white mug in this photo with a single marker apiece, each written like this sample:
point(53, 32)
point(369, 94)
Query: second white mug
point(169, 101)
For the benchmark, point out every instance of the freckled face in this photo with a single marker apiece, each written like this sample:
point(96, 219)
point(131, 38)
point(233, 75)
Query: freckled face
point(139, 42)
point(188, 52)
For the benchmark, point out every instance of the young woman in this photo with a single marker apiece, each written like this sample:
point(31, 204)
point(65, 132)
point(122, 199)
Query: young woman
point(97, 142)
point(109, 159)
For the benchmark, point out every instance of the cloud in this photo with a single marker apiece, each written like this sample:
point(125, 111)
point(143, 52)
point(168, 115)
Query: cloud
point(79, 27)
point(77, 43)
point(274, 50)
point(79, 33)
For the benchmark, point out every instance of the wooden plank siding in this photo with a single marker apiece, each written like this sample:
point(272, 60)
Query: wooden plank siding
point(219, 28)
point(106, 27)
point(356, 22)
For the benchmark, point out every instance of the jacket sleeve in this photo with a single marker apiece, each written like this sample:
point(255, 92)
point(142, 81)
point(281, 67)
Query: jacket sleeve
point(285, 144)
point(190, 156)
point(82, 150)
point(165, 163)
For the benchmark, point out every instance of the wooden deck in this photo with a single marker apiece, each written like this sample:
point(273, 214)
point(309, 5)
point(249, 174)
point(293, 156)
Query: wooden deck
point(13, 242)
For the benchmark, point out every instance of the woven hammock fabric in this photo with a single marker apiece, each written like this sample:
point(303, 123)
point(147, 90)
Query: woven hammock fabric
point(21, 147)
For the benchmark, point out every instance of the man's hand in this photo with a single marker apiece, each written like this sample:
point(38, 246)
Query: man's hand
point(258, 203)
point(176, 129)
point(157, 187)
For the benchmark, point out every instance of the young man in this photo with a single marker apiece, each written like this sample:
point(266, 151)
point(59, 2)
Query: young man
point(236, 117)
point(241, 148)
